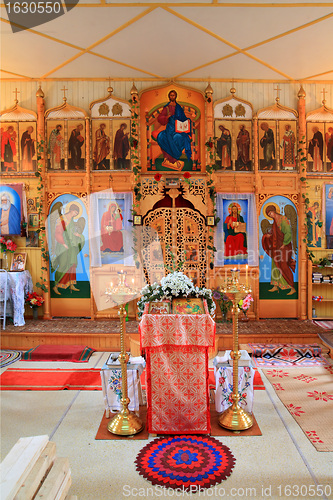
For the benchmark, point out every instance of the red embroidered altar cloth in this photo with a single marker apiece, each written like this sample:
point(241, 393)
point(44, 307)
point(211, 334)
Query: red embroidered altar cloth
point(176, 348)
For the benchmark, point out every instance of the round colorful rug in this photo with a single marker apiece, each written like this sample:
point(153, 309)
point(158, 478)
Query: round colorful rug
point(8, 357)
point(185, 462)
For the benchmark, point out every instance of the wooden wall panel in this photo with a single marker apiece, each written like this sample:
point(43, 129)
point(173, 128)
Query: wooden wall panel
point(76, 182)
point(232, 182)
point(81, 93)
point(276, 183)
point(118, 181)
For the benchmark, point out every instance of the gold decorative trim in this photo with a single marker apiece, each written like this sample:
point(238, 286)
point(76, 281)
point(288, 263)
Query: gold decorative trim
point(171, 83)
point(275, 112)
point(66, 111)
point(103, 99)
point(16, 113)
point(321, 114)
point(262, 198)
point(233, 97)
point(54, 195)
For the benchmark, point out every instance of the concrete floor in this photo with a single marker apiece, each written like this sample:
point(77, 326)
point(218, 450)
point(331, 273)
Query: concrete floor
point(282, 463)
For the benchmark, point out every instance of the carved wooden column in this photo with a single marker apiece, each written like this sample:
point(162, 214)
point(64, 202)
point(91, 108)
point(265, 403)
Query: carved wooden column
point(303, 259)
point(210, 208)
point(41, 163)
point(257, 186)
point(88, 184)
point(209, 113)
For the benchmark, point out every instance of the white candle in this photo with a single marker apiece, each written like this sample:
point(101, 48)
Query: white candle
point(246, 274)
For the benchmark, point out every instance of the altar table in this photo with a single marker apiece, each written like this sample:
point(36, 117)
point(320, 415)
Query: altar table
point(176, 348)
point(224, 387)
point(19, 284)
point(112, 386)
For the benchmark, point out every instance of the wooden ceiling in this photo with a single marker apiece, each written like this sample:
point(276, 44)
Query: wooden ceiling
point(181, 40)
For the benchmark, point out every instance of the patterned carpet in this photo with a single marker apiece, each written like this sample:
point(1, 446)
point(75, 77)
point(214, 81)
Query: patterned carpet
point(76, 325)
point(307, 393)
point(327, 338)
point(185, 463)
point(7, 357)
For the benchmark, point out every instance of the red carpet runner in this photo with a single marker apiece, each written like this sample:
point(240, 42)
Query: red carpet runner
point(51, 380)
point(72, 353)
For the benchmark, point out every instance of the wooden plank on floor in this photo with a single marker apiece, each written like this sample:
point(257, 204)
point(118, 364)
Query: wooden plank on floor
point(64, 488)
point(16, 466)
point(54, 480)
point(34, 479)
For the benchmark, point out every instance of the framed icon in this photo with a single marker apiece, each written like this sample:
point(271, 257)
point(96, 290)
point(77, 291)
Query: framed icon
point(162, 307)
point(32, 239)
point(187, 305)
point(191, 252)
point(34, 220)
point(137, 220)
point(172, 182)
point(210, 220)
point(18, 262)
point(31, 204)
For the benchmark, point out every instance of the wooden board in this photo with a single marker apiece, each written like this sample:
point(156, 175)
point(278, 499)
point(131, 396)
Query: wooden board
point(31, 470)
point(16, 466)
point(38, 472)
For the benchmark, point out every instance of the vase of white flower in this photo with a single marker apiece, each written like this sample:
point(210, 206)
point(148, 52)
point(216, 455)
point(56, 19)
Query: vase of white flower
point(175, 284)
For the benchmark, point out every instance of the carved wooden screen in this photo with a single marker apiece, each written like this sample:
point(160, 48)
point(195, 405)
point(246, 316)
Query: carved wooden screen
point(184, 231)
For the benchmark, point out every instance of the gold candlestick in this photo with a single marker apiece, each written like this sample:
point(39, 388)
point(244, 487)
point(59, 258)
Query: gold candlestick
point(125, 422)
point(235, 417)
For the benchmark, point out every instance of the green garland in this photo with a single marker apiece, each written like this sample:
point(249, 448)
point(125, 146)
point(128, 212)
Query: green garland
point(134, 142)
point(40, 201)
point(210, 169)
point(305, 196)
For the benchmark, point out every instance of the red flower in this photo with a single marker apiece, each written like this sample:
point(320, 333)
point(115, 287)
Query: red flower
point(157, 177)
point(187, 175)
point(34, 300)
point(7, 245)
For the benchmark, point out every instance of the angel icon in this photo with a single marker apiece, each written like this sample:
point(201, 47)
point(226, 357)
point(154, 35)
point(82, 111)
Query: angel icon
point(69, 241)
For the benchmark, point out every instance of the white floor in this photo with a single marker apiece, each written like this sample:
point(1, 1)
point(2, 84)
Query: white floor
point(280, 464)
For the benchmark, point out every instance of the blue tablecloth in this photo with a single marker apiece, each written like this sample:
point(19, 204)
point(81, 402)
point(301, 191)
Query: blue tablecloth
point(19, 284)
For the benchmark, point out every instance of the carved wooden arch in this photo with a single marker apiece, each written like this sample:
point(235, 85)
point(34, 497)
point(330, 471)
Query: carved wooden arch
point(294, 197)
point(184, 231)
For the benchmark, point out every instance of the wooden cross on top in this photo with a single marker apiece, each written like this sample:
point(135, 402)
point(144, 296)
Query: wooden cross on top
point(323, 92)
point(277, 90)
point(64, 90)
point(16, 92)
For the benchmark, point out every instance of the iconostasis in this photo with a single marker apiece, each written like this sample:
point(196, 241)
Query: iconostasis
point(219, 182)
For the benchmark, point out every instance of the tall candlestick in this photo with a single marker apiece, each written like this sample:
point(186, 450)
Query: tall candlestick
point(235, 417)
point(247, 275)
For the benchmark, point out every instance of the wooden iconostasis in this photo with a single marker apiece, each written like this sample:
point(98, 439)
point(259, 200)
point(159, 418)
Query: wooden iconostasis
point(225, 165)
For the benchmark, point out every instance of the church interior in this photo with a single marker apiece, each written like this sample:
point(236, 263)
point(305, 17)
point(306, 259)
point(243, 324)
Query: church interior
point(135, 161)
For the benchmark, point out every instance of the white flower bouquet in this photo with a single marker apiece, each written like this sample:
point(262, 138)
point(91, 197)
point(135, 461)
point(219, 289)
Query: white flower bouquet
point(175, 284)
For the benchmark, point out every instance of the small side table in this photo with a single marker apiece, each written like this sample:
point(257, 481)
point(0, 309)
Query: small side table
point(224, 385)
point(111, 386)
